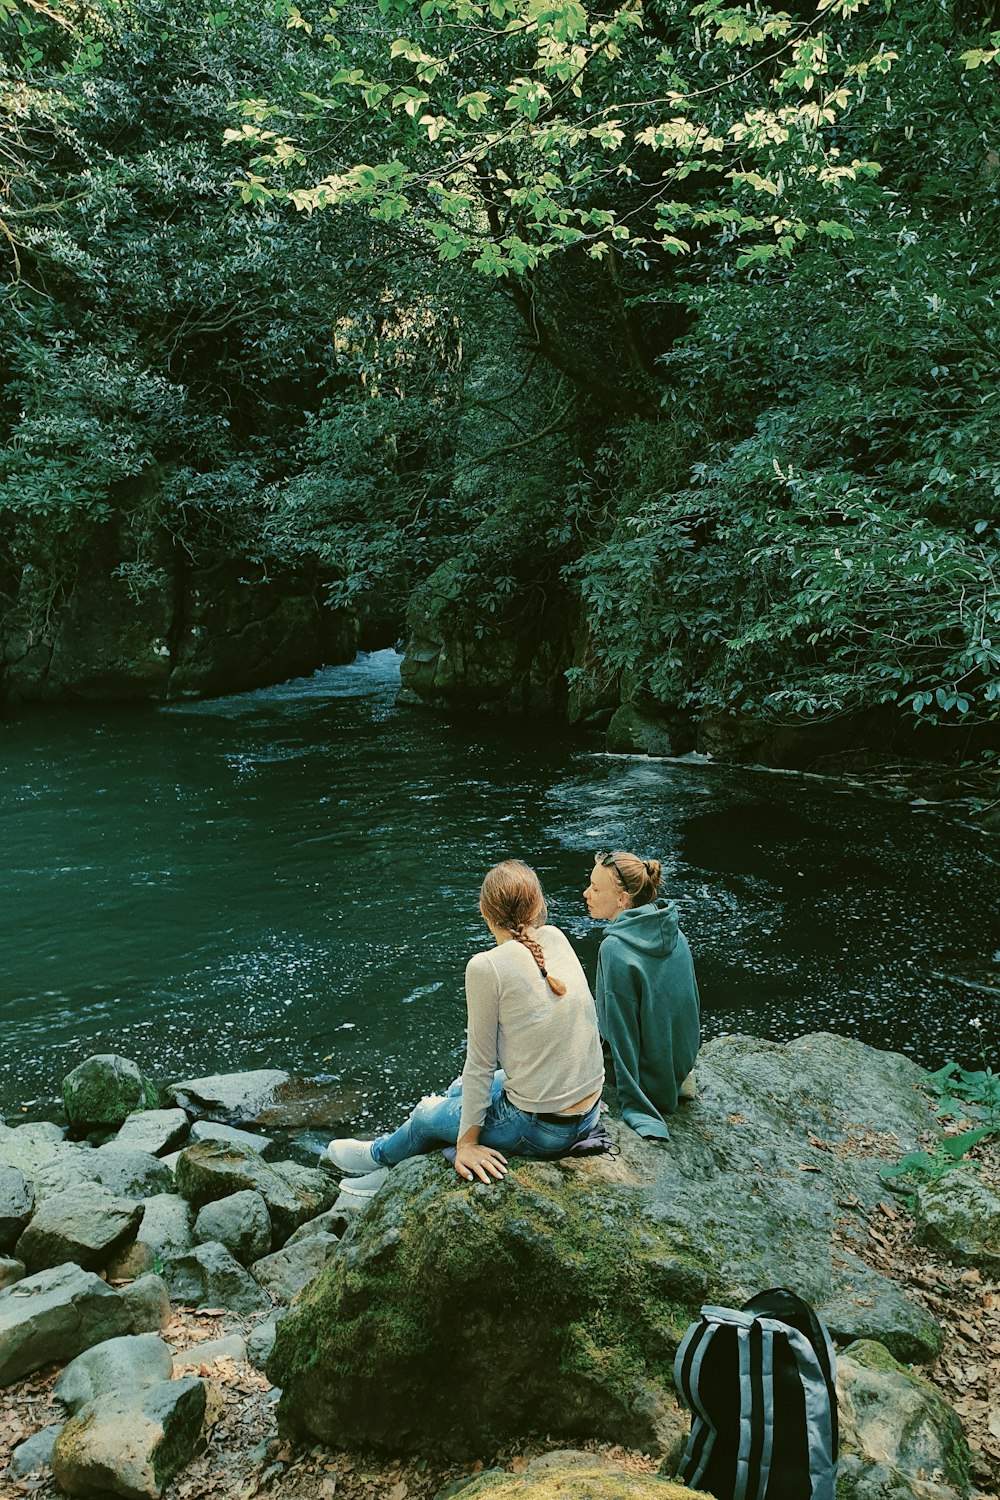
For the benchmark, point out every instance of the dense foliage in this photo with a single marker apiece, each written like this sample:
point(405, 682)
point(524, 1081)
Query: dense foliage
point(684, 315)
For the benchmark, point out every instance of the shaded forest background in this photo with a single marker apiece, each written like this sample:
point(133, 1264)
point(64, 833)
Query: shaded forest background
point(632, 362)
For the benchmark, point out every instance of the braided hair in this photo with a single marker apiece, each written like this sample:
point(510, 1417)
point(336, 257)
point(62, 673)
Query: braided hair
point(511, 900)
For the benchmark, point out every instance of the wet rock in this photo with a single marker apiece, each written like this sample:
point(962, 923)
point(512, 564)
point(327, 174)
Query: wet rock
point(17, 1203)
point(155, 1131)
point(54, 1316)
point(324, 1107)
point(10, 1271)
point(229, 1098)
point(208, 1276)
point(147, 1302)
point(123, 1364)
point(959, 1215)
point(105, 1090)
point(285, 1273)
point(132, 1444)
point(211, 1170)
point(897, 1424)
point(34, 1454)
point(631, 731)
point(210, 1130)
point(241, 1222)
point(86, 1224)
point(598, 1264)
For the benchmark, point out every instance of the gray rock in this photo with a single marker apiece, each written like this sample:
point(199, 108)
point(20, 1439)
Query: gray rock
point(332, 1222)
point(34, 1454)
point(134, 1260)
point(208, 1276)
point(10, 1271)
point(28, 1146)
point(241, 1222)
point(130, 1174)
point(767, 1178)
point(260, 1339)
point(134, 1444)
point(86, 1224)
point(229, 1098)
point(211, 1130)
point(124, 1364)
point(210, 1170)
point(167, 1224)
point(892, 1420)
point(105, 1090)
point(55, 1315)
point(285, 1273)
point(166, 1229)
point(147, 1303)
point(960, 1216)
point(155, 1131)
point(231, 1347)
point(17, 1203)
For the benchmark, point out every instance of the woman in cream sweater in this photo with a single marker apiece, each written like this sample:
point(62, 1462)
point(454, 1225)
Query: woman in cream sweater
point(531, 1084)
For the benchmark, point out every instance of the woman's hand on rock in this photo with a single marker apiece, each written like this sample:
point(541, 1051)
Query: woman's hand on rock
point(479, 1161)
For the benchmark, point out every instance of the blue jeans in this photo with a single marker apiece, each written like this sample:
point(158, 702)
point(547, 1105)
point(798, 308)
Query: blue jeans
point(436, 1120)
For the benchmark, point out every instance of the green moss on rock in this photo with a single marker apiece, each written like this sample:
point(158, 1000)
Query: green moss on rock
point(104, 1090)
point(530, 1305)
point(576, 1483)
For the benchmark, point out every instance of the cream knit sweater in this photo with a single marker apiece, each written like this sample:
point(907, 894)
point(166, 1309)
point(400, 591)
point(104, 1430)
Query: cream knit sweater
point(548, 1045)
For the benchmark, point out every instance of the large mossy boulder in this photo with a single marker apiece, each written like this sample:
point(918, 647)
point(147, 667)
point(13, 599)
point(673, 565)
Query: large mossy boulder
point(572, 1481)
point(896, 1429)
point(532, 1305)
point(104, 1090)
point(554, 1301)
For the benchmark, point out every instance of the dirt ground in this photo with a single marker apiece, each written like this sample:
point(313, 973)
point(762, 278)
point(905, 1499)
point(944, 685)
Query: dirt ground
point(245, 1458)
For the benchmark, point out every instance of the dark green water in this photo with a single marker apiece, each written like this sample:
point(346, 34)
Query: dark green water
point(289, 878)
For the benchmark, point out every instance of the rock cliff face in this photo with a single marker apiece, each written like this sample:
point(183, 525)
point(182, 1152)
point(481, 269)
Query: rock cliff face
point(554, 1301)
point(517, 666)
point(199, 624)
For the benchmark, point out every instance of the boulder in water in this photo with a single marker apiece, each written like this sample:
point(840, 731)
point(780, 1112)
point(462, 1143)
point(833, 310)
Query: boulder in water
point(105, 1090)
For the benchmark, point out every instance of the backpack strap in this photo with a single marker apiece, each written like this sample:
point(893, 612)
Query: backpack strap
point(687, 1371)
point(821, 1411)
point(761, 1340)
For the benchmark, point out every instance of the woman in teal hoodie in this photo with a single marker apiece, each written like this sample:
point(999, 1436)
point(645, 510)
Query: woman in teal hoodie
point(646, 991)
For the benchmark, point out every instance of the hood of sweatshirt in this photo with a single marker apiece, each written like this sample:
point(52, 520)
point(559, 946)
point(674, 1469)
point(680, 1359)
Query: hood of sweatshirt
point(651, 929)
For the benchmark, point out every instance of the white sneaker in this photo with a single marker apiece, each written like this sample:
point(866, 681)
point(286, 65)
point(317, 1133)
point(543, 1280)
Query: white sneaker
point(354, 1157)
point(356, 1191)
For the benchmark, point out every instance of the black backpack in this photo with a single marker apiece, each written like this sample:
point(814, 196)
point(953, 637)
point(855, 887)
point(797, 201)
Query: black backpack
point(761, 1387)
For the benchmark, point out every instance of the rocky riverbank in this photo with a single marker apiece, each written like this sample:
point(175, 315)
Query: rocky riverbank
point(155, 1246)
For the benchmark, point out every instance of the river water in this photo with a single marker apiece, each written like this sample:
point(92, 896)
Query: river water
point(289, 878)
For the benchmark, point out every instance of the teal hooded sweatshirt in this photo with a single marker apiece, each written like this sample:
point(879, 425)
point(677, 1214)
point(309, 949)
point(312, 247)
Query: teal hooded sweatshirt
point(648, 1012)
